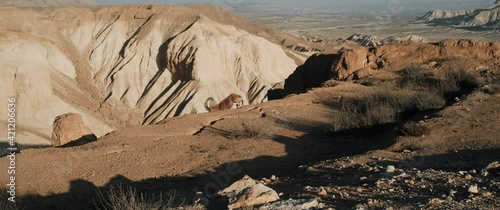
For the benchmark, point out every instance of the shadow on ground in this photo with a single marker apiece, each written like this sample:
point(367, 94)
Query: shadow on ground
point(317, 144)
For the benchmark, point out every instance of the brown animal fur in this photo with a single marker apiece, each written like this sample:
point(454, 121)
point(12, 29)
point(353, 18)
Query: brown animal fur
point(227, 103)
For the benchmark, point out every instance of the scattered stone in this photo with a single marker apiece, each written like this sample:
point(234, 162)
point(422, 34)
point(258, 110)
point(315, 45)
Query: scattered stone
point(494, 168)
point(436, 201)
point(322, 191)
point(308, 188)
point(273, 177)
point(400, 175)
point(391, 169)
point(292, 204)
point(452, 193)
point(450, 180)
point(484, 172)
point(70, 129)
point(468, 177)
point(473, 189)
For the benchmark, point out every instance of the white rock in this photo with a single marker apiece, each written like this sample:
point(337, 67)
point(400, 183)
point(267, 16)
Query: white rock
point(391, 169)
point(473, 189)
point(253, 195)
point(292, 204)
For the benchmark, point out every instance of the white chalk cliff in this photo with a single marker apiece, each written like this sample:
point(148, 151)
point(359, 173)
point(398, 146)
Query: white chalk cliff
point(487, 18)
point(129, 65)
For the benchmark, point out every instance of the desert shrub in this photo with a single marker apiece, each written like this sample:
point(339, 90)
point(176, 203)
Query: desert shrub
point(413, 76)
point(413, 129)
point(120, 198)
point(455, 81)
point(247, 130)
point(383, 107)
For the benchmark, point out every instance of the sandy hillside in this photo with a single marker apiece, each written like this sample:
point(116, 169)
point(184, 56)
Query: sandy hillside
point(136, 64)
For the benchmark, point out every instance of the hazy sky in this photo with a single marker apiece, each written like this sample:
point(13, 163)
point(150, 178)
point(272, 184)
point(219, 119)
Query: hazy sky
point(334, 5)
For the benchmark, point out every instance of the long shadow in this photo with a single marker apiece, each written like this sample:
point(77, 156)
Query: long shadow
point(313, 146)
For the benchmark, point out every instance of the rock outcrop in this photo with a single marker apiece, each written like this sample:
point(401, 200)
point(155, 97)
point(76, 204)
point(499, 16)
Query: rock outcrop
point(133, 64)
point(350, 64)
point(69, 129)
point(487, 18)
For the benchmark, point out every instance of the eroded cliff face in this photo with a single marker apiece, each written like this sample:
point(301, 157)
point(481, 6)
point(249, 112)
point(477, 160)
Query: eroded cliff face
point(487, 18)
point(128, 65)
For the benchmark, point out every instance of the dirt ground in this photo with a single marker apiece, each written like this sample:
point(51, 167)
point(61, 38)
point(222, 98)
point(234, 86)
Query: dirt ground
point(289, 138)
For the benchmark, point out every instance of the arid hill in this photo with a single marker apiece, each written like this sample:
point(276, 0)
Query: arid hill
point(136, 64)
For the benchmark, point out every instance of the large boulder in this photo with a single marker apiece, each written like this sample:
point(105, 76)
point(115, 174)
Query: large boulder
point(69, 129)
point(248, 192)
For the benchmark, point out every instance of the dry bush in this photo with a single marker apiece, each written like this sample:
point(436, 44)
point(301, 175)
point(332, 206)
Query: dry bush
point(413, 76)
point(455, 81)
point(413, 129)
point(120, 198)
point(383, 107)
point(247, 130)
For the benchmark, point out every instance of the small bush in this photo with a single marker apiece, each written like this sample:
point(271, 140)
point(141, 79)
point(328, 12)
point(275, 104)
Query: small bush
point(247, 130)
point(413, 76)
point(413, 129)
point(383, 107)
point(456, 81)
point(119, 198)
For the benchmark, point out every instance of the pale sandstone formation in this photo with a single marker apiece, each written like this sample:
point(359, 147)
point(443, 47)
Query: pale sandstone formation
point(69, 128)
point(135, 64)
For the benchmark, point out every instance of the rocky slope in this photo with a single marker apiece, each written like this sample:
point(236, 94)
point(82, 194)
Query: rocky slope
point(487, 18)
point(45, 3)
point(349, 64)
point(126, 65)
